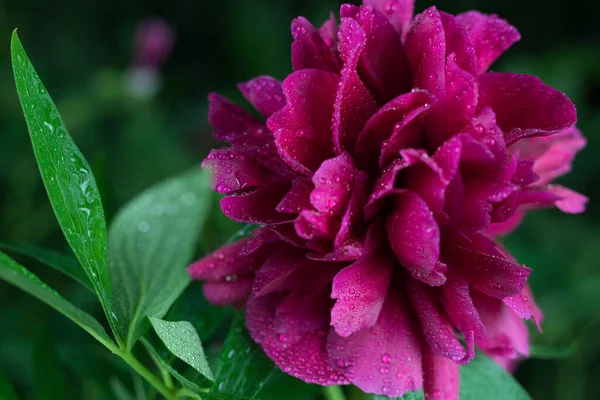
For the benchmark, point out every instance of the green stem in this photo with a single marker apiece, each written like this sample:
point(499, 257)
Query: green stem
point(147, 375)
point(139, 368)
point(333, 393)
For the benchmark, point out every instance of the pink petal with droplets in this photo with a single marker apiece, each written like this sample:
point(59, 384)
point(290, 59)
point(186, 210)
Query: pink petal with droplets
point(264, 93)
point(277, 273)
point(398, 12)
point(383, 64)
point(506, 227)
point(441, 379)
point(360, 290)
point(461, 89)
point(400, 112)
point(415, 237)
point(302, 128)
point(483, 266)
point(224, 262)
point(481, 196)
point(333, 184)
point(234, 293)
point(354, 103)
point(457, 302)
point(523, 304)
point(246, 134)
point(351, 221)
point(315, 225)
point(516, 99)
point(301, 354)
point(255, 207)
point(303, 310)
point(490, 35)
point(298, 198)
point(434, 323)
point(507, 333)
point(384, 359)
point(309, 50)
point(426, 50)
point(234, 171)
point(328, 32)
point(459, 43)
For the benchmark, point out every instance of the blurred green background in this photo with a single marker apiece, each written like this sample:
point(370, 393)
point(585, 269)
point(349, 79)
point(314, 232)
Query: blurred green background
point(83, 50)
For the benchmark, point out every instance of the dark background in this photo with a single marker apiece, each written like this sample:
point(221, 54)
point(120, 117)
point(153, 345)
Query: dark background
point(82, 50)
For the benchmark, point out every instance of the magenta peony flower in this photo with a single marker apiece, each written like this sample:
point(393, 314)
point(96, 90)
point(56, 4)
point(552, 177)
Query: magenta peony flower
point(388, 161)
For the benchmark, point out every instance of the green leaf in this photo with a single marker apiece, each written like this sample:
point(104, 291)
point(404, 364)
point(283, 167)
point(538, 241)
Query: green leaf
point(20, 277)
point(408, 396)
point(483, 378)
point(62, 263)
point(183, 341)
point(66, 174)
point(163, 364)
point(151, 242)
point(192, 306)
point(7, 392)
point(49, 378)
point(243, 367)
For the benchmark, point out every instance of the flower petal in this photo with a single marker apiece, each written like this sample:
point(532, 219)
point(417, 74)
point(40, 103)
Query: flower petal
point(298, 198)
point(360, 290)
point(490, 35)
point(301, 354)
point(570, 201)
point(302, 128)
point(303, 309)
point(224, 264)
point(400, 112)
point(398, 12)
point(264, 93)
point(234, 293)
point(461, 89)
point(483, 266)
point(441, 379)
point(507, 333)
point(333, 184)
point(525, 307)
point(354, 103)
point(436, 327)
point(524, 105)
point(415, 237)
point(257, 206)
point(384, 359)
point(383, 64)
point(309, 50)
point(234, 171)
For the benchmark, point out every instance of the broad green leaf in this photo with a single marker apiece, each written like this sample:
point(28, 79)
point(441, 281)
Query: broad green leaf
point(20, 277)
point(7, 392)
point(408, 396)
point(193, 307)
point(242, 368)
point(166, 367)
point(151, 242)
point(66, 174)
point(50, 380)
point(483, 378)
point(65, 264)
point(183, 341)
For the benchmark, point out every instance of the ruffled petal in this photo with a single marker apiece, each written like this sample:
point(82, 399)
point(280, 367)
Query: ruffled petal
point(507, 333)
point(333, 184)
point(234, 293)
point(523, 304)
point(298, 198)
point(301, 354)
point(414, 236)
point(516, 100)
point(398, 12)
point(441, 379)
point(384, 359)
point(360, 290)
point(490, 35)
point(383, 65)
point(354, 103)
point(257, 206)
point(264, 93)
point(225, 264)
point(436, 328)
point(309, 50)
point(393, 119)
point(483, 266)
point(303, 310)
point(302, 128)
point(234, 171)
point(569, 201)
